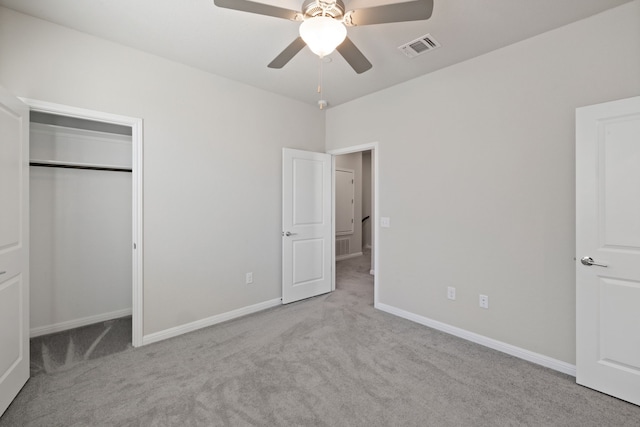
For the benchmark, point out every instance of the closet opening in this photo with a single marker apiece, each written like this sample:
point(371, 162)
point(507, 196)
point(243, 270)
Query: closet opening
point(85, 222)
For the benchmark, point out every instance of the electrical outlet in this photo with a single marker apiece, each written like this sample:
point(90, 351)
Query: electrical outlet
point(451, 292)
point(484, 301)
point(249, 278)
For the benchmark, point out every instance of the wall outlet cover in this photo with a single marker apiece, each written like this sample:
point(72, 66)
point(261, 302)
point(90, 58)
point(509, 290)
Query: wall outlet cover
point(484, 301)
point(451, 292)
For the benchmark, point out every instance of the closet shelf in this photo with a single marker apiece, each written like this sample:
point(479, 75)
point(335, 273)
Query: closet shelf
point(70, 165)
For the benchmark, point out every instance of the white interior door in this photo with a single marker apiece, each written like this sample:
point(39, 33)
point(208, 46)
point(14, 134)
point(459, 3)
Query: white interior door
point(306, 224)
point(14, 247)
point(345, 198)
point(608, 248)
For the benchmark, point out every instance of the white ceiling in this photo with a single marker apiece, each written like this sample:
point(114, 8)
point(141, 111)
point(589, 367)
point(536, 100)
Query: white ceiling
point(239, 45)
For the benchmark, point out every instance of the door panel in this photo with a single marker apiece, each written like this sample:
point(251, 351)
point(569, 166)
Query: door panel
point(345, 207)
point(14, 250)
point(306, 224)
point(308, 261)
point(308, 207)
point(608, 231)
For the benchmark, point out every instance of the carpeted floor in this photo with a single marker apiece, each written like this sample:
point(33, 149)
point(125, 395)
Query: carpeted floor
point(63, 350)
point(332, 360)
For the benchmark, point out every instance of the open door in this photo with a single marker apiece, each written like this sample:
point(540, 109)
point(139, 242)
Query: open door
point(306, 225)
point(14, 247)
point(608, 248)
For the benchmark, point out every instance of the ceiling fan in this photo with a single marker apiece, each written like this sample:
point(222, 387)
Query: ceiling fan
point(324, 24)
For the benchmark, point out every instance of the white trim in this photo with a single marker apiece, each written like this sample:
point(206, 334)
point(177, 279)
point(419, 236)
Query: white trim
point(521, 353)
point(348, 256)
point(76, 323)
point(375, 155)
point(333, 223)
point(136, 196)
point(209, 321)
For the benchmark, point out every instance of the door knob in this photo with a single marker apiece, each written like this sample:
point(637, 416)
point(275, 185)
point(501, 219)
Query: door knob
point(288, 233)
point(588, 261)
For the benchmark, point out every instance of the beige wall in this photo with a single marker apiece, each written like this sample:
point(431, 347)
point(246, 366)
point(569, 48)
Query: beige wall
point(212, 161)
point(480, 187)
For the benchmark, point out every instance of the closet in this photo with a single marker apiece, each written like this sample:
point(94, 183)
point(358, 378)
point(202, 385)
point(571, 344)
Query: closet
point(81, 222)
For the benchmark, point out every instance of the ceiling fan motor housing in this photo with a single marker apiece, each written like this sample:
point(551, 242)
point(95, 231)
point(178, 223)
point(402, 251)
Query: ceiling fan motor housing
point(334, 9)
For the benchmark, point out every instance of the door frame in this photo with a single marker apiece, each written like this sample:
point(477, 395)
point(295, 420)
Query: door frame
point(135, 124)
point(375, 157)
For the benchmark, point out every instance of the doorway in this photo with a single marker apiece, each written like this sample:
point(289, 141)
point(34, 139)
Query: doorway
point(76, 173)
point(350, 247)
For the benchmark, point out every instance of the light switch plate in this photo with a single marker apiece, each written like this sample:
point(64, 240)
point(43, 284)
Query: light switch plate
point(385, 222)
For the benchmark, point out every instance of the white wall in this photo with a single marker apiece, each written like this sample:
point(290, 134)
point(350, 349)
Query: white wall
point(480, 188)
point(353, 161)
point(212, 161)
point(80, 229)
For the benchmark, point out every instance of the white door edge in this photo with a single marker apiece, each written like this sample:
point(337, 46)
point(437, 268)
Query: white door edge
point(137, 200)
point(375, 156)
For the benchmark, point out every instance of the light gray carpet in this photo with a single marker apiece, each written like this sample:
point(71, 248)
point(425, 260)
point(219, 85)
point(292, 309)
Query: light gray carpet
point(329, 361)
point(63, 350)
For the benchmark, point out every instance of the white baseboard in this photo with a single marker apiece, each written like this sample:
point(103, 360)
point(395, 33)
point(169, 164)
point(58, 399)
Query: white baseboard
point(512, 350)
point(76, 323)
point(347, 256)
point(209, 321)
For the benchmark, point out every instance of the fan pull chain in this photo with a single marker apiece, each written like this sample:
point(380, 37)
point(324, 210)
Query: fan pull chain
point(321, 102)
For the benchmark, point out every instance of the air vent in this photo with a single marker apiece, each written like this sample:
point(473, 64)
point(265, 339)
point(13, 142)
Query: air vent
point(342, 247)
point(419, 46)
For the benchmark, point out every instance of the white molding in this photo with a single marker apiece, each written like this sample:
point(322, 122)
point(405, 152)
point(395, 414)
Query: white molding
point(354, 149)
point(521, 353)
point(136, 196)
point(348, 256)
point(209, 321)
point(333, 223)
point(76, 323)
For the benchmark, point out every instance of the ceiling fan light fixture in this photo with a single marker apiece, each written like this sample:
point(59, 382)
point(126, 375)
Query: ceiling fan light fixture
point(322, 34)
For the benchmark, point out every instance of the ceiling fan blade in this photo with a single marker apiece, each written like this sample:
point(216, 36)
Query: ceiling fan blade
point(416, 10)
point(259, 8)
point(288, 53)
point(353, 56)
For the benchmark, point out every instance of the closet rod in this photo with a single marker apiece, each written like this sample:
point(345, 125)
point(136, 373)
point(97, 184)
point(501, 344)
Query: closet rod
point(80, 166)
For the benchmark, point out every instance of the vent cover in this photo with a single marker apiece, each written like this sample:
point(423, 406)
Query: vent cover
point(419, 46)
point(342, 247)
